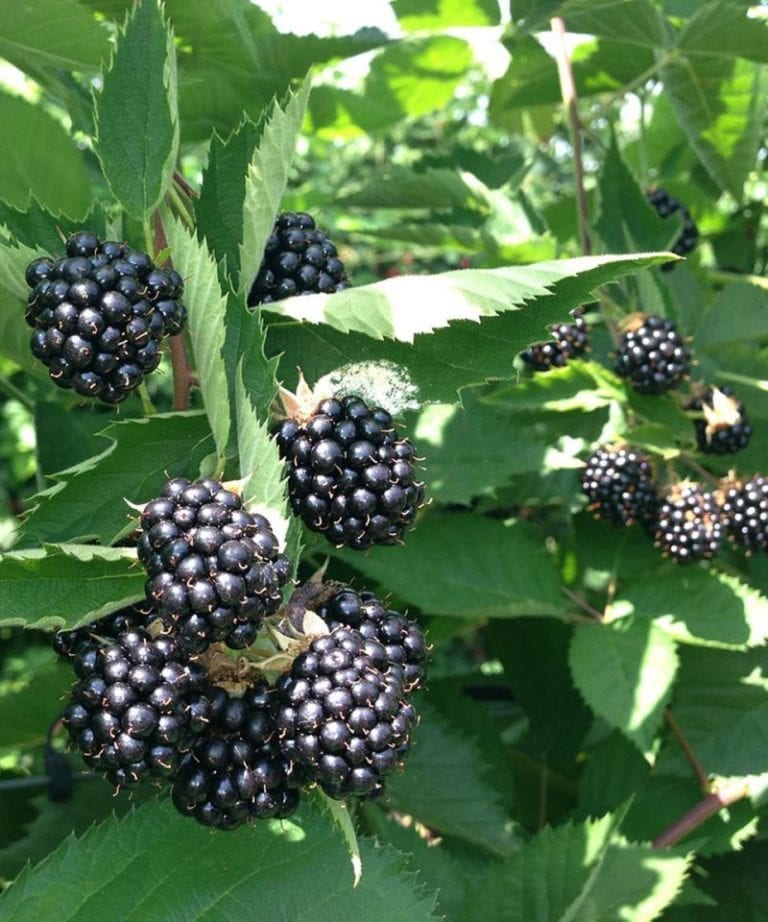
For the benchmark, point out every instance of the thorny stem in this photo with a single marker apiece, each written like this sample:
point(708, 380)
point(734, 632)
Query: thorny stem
point(584, 606)
point(688, 751)
point(571, 103)
point(699, 814)
point(183, 373)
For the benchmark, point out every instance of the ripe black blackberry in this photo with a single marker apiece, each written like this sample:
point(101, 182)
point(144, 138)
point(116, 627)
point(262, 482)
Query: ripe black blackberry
point(570, 340)
point(344, 715)
point(618, 482)
point(403, 640)
point(689, 525)
point(666, 205)
point(350, 476)
point(99, 315)
point(652, 354)
point(299, 258)
point(215, 569)
point(725, 428)
point(745, 513)
point(68, 644)
point(236, 771)
point(137, 704)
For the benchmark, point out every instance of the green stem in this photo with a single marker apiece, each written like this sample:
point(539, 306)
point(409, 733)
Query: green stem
point(146, 402)
point(181, 207)
point(10, 390)
point(637, 81)
point(149, 241)
point(760, 384)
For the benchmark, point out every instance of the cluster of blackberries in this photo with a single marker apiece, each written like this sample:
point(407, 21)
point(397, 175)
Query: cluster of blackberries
point(350, 476)
point(99, 314)
point(666, 205)
point(569, 340)
point(298, 259)
point(156, 697)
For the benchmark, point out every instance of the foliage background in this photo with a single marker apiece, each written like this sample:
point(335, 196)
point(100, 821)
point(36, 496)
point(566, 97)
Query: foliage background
point(570, 661)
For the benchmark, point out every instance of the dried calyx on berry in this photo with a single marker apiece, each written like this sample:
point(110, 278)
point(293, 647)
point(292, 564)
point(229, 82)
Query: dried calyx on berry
point(215, 569)
point(745, 513)
point(569, 341)
point(351, 476)
point(690, 523)
point(666, 205)
point(299, 258)
point(724, 428)
point(618, 481)
point(99, 315)
point(652, 354)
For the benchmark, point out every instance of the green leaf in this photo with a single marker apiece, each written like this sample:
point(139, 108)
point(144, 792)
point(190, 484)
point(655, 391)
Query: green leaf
point(625, 670)
point(725, 28)
point(721, 705)
point(721, 105)
point(40, 159)
point(599, 877)
point(66, 439)
point(89, 501)
point(414, 14)
point(467, 352)
point(266, 179)
point(67, 585)
point(136, 112)
point(698, 606)
point(737, 884)
point(256, 867)
point(738, 313)
point(635, 22)
point(206, 304)
point(446, 785)
point(30, 706)
point(51, 33)
point(481, 582)
point(405, 188)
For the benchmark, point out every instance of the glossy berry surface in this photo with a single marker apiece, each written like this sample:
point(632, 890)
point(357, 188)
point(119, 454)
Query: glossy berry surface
point(68, 644)
point(299, 258)
point(350, 476)
point(569, 341)
point(653, 355)
point(745, 513)
point(99, 315)
point(215, 570)
point(236, 771)
point(690, 524)
point(618, 483)
point(724, 428)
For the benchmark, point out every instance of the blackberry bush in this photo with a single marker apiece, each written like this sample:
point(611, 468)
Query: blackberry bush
point(745, 513)
point(215, 569)
point(299, 258)
point(653, 355)
point(351, 477)
point(136, 706)
point(99, 315)
point(725, 428)
point(619, 484)
point(689, 525)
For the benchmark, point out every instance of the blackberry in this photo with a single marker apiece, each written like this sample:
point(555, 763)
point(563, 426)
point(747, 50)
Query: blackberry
point(214, 569)
point(653, 355)
point(344, 715)
point(68, 644)
point(99, 314)
point(666, 205)
point(135, 707)
point(299, 258)
point(350, 476)
point(237, 771)
point(725, 428)
point(618, 482)
point(689, 525)
point(570, 340)
point(402, 638)
point(745, 513)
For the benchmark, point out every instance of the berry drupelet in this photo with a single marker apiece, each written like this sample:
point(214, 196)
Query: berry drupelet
point(618, 482)
point(215, 569)
point(99, 315)
point(652, 355)
point(350, 476)
point(299, 258)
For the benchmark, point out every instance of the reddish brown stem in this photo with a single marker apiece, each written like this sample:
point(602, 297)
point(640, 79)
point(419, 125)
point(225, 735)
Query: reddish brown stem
point(183, 373)
point(699, 814)
point(688, 751)
point(571, 103)
point(184, 185)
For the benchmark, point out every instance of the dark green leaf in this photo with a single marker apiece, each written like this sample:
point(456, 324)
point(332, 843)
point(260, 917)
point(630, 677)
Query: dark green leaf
point(30, 706)
point(725, 28)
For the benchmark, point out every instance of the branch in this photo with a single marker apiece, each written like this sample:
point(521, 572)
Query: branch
point(699, 814)
point(570, 101)
point(688, 751)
